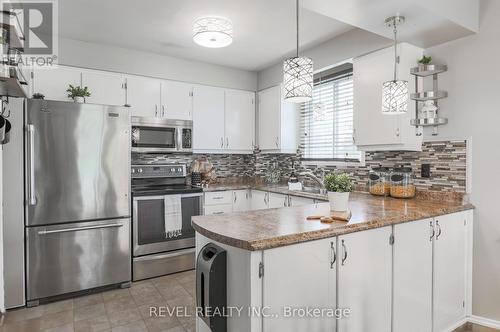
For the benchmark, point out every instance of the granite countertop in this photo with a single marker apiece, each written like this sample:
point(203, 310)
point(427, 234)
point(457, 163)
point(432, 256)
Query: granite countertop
point(271, 228)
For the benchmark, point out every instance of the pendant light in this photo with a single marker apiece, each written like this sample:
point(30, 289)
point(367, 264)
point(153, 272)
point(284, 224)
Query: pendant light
point(298, 73)
point(395, 92)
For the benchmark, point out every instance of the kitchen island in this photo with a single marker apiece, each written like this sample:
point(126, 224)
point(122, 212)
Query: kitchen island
point(384, 266)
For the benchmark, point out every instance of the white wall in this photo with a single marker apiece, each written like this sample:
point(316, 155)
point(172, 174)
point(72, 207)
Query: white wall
point(106, 57)
point(348, 45)
point(473, 109)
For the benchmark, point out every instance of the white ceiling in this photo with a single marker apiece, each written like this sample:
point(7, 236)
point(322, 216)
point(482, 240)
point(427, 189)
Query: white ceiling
point(264, 30)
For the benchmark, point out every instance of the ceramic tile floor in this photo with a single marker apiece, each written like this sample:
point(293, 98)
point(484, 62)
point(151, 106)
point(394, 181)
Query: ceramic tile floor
point(119, 310)
point(469, 327)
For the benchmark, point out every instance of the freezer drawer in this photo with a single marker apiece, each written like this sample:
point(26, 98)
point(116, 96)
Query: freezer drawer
point(77, 256)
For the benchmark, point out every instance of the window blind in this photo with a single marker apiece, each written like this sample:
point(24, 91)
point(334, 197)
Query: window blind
point(326, 122)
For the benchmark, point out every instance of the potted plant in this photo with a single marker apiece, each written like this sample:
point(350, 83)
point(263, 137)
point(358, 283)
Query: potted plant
point(77, 93)
point(338, 186)
point(38, 95)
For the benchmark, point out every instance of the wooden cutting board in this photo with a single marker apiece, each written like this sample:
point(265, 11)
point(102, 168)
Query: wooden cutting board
point(334, 216)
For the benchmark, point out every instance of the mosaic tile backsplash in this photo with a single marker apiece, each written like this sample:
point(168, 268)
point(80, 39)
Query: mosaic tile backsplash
point(447, 161)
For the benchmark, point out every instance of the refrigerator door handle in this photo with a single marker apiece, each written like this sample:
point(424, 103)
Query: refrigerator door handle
point(31, 181)
point(75, 229)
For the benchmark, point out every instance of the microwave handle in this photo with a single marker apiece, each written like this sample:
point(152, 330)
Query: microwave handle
point(178, 134)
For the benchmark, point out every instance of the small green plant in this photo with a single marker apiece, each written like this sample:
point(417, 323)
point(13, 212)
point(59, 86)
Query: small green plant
point(425, 60)
point(38, 95)
point(77, 91)
point(341, 183)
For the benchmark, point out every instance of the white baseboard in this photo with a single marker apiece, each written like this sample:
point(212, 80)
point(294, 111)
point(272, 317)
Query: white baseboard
point(494, 324)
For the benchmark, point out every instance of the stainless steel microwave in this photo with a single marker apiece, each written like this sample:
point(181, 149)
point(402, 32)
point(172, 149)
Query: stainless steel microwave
point(153, 135)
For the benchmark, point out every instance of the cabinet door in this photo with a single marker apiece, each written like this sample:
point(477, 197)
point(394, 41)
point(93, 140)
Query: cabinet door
point(143, 96)
point(269, 118)
point(277, 200)
point(259, 200)
point(299, 201)
point(54, 82)
point(371, 126)
point(208, 118)
point(105, 88)
point(317, 284)
point(241, 200)
point(364, 280)
point(239, 120)
point(413, 276)
point(218, 209)
point(177, 100)
point(449, 270)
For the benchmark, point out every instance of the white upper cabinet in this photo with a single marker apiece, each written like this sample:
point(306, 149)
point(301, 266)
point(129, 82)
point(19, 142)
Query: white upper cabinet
point(106, 88)
point(143, 96)
point(52, 83)
point(177, 100)
point(239, 120)
point(372, 129)
point(223, 120)
point(208, 118)
point(278, 122)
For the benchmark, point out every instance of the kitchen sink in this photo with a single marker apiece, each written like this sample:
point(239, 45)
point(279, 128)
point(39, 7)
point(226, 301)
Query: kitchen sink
point(311, 190)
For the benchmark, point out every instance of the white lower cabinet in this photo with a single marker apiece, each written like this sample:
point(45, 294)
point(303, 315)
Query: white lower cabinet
point(317, 284)
point(364, 280)
point(259, 200)
point(299, 201)
point(277, 200)
point(450, 261)
point(241, 200)
point(218, 209)
point(413, 276)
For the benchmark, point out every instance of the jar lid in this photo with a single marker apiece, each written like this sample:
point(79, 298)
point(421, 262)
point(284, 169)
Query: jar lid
point(380, 169)
point(403, 169)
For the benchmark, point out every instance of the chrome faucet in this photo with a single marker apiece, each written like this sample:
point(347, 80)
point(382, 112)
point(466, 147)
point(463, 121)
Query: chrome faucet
point(320, 181)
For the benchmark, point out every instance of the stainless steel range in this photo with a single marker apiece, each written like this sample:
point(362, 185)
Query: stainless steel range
point(163, 204)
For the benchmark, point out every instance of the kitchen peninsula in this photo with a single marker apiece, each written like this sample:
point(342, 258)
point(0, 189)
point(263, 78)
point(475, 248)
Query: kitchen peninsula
point(386, 265)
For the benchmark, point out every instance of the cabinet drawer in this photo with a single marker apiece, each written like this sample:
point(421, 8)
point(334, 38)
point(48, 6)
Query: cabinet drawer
point(218, 209)
point(218, 197)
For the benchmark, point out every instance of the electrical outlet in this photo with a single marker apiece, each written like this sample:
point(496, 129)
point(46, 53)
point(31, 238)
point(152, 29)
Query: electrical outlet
point(426, 171)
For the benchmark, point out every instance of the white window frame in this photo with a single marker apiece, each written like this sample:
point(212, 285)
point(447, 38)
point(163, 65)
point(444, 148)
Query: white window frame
point(336, 162)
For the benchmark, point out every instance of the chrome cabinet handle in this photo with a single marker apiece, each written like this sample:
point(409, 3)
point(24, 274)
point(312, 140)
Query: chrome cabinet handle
point(218, 212)
point(234, 193)
point(156, 110)
point(277, 145)
point(221, 142)
point(433, 232)
point(345, 252)
point(289, 200)
point(162, 110)
point(227, 142)
point(438, 230)
point(76, 229)
point(397, 132)
point(334, 255)
point(31, 187)
point(266, 198)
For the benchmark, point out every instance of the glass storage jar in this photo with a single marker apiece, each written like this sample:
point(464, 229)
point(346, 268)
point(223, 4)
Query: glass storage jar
point(402, 185)
point(379, 183)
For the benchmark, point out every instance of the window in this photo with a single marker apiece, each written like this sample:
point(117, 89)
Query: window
point(326, 122)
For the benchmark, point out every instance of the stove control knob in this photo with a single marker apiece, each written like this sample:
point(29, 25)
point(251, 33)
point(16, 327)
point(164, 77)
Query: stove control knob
point(172, 170)
point(133, 170)
point(139, 170)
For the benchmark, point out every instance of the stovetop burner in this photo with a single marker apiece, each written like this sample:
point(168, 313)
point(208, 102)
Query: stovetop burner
point(166, 179)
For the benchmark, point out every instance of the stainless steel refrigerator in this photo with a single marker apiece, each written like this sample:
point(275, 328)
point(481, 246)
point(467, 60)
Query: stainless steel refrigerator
point(77, 204)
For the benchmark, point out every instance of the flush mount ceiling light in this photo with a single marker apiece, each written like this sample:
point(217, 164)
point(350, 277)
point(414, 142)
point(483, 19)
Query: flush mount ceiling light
point(298, 73)
point(213, 32)
point(395, 92)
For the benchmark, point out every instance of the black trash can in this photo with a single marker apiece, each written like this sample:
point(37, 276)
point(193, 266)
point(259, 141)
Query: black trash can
point(211, 287)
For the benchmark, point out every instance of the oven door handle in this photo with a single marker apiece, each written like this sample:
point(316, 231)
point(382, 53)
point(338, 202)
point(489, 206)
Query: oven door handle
point(192, 195)
point(178, 135)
